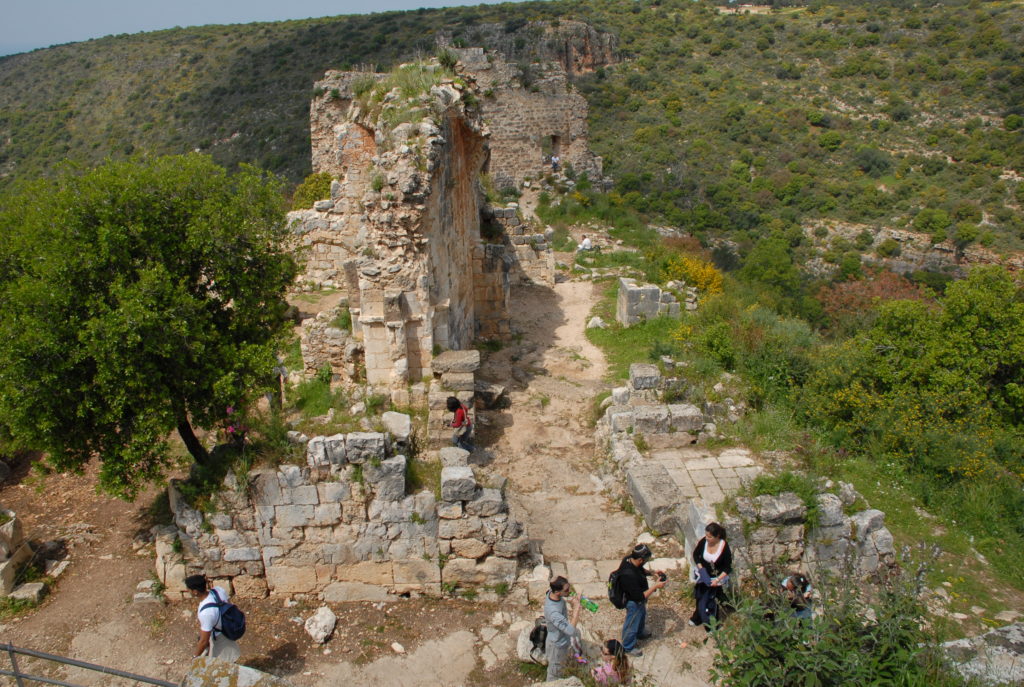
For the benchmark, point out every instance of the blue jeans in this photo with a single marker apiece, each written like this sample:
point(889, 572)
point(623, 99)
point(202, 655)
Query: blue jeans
point(636, 619)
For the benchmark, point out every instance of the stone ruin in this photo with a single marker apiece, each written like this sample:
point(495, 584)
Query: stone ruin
point(529, 122)
point(678, 490)
point(637, 303)
point(15, 554)
point(344, 527)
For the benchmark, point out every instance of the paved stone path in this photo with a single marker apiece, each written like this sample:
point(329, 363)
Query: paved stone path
point(700, 474)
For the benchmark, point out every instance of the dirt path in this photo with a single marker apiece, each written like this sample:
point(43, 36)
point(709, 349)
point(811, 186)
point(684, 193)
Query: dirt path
point(543, 443)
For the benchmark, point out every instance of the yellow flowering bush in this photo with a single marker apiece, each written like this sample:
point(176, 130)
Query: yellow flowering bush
point(695, 272)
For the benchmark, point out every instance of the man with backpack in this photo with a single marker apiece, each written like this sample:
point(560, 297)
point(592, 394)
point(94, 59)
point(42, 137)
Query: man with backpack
point(561, 630)
point(217, 620)
point(632, 586)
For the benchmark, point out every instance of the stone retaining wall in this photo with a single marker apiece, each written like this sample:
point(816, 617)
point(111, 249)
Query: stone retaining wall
point(15, 552)
point(762, 530)
point(640, 302)
point(344, 528)
point(532, 259)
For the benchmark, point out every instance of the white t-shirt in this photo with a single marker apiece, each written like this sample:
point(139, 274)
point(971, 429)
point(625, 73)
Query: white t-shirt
point(585, 244)
point(713, 557)
point(209, 618)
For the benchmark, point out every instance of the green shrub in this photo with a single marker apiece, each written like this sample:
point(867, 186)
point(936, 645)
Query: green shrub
point(799, 484)
point(315, 187)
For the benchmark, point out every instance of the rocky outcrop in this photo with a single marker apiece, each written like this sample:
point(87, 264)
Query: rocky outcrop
point(641, 302)
point(915, 251)
point(996, 657)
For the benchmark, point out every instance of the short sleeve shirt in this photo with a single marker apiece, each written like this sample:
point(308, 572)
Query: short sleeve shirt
point(209, 618)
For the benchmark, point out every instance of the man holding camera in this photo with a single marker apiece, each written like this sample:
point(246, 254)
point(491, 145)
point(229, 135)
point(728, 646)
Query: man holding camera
point(633, 577)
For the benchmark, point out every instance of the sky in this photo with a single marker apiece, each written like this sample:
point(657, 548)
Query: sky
point(29, 24)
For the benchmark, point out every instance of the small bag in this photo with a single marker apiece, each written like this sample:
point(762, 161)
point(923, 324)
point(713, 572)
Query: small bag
point(538, 639)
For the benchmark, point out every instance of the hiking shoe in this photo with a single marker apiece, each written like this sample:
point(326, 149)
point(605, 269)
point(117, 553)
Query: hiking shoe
point(645, 635)
point(691, 623)
point(635, 653)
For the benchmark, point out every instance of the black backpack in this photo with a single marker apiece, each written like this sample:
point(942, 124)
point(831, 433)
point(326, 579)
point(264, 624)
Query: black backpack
point(232, 620)
point(538, 638)
point(615, 592)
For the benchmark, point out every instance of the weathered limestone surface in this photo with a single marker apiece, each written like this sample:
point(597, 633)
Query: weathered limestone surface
point(15, 552)
point(209, 672)
point(996, 657)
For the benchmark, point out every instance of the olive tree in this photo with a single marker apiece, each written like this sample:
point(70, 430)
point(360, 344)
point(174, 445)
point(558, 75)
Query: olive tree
point(137, 299)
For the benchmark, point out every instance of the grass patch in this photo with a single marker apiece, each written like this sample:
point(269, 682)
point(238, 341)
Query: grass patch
point(800, 484)
point(423, 474)
point(344, 319)
point(313, 397)
point(10, 608)
point(562, 241)
point(625, 345)
point(293, 356)
point(771, 428)
point(596, 412)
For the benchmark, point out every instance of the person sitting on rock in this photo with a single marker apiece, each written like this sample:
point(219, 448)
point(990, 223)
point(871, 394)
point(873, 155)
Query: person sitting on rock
point(798, 590)
point(585, 244)
point(614, 666)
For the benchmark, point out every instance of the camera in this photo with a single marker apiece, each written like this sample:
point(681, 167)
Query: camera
point(662, 577)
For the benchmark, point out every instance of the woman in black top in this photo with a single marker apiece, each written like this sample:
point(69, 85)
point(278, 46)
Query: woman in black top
point(713, 560)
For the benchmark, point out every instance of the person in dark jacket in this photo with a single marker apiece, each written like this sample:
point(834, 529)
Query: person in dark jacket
point(713, 560)
point(636, 589)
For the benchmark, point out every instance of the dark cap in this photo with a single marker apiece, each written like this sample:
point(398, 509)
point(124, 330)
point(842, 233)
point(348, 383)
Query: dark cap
point(641, 551)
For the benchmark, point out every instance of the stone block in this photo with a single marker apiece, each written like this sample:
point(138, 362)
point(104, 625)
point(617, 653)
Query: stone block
point(457, 484)
point(684, 417)
point(487, 502)
point(399, 425)
point(9, 569)
point(416, 572)
point(293, 516)
point(204, 671)
point(512, 548)
point(582, 571)
point(367, 572)
point(250, 587)
point(456, 361)
point(619, 418)
point(651, 419)
point(655, 496)
point(266, 489)
point(470, 548)
point(458, 381)
point(449, 510)
point(326, 514)
point(463, 528)
point(291, 476)
point(291, 580)
point(620, 395)
point(644, 376)
point(830, 510)
point(362, 447)
point(306, 495)
point(334, 449)
point(340, 592)
point(489, 394)
point(32, 591)
point(316, 454)
point(783, 509)
point(333, 492)
point(624, 451)
point(490, 572)
point(11, 534)
point(248, 553)
point(866, 522)
point(452, 456)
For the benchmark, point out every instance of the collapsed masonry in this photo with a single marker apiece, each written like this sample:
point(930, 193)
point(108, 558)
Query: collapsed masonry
point(344, 526)
point(679, 490)
point(401, 233)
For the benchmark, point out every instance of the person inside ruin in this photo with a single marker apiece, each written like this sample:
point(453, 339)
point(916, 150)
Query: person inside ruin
point(561, 629)
point(637, 590)
point(713, 560)
point(463, 434)
point(211, 641)
point(555, 160)
point(798, 591)
point(614, 666)
point(585, 244)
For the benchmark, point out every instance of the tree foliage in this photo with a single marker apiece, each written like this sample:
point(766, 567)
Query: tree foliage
point(135, 299)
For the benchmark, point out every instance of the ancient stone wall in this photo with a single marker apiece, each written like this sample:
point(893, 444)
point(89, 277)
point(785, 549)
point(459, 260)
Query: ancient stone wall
point(680, 497)
point(528, 250)
point(15, 551)
point(323, 344)
point(344, 527)
point(526, 123)
point(640, 302)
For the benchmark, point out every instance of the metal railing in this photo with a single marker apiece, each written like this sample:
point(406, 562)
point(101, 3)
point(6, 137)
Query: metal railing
point(20, 677)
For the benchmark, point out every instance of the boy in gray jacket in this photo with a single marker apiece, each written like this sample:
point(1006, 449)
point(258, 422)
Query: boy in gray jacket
point(561, 630)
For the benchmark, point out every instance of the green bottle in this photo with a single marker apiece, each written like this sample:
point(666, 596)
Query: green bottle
point(588, 604)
